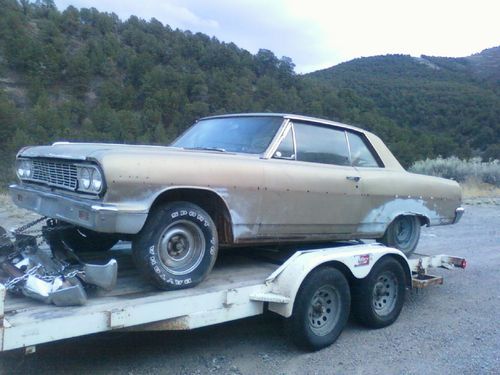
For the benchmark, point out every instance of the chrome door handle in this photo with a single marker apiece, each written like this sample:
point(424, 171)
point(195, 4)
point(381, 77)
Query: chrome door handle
point(353, 178)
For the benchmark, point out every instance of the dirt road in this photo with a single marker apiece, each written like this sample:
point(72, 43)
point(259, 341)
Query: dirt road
point(453, 328)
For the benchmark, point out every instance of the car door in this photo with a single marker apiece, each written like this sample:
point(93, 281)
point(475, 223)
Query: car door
point(311, 189)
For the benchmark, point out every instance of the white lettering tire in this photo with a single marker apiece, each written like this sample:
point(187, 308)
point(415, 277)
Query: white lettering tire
point(177, 247)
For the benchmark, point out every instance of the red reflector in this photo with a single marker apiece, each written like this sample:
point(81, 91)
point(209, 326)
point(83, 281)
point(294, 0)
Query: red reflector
point(463, 263)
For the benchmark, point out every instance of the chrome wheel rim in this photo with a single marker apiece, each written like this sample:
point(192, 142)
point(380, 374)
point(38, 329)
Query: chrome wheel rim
point(324, 310)
point(181, 247)
point(385, 293)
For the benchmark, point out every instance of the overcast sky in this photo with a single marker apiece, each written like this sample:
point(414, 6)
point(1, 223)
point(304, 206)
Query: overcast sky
point(317, 34)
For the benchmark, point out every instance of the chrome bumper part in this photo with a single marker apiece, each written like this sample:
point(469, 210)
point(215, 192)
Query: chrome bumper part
point(90, 214)
point(458, 214)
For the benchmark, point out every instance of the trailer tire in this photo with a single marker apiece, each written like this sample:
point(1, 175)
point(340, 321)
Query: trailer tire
point(378, 298)
point(177, 247)
point(320, 310)
point(403, 234)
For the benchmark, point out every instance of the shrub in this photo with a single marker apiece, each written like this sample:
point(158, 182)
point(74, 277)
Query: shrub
point(460, 170)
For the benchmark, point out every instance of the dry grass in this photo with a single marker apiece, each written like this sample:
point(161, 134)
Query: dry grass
point(8, 210)
point(460, 170)
point(474, 189)
point(5, 202)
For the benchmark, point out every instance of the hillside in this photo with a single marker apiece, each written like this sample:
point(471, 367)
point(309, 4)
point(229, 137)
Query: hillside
point(486, 64)
point(455, 99)
point(84, 75)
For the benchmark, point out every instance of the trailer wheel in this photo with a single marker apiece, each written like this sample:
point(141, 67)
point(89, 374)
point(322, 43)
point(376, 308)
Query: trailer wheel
point(403, 234)
point(378, 298)
point(177, 247)
point(320, 310)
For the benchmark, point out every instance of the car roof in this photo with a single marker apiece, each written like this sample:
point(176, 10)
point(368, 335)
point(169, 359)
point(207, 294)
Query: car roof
point(291, 117)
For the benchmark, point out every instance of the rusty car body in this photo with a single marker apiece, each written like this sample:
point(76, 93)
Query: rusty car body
point(249, 178)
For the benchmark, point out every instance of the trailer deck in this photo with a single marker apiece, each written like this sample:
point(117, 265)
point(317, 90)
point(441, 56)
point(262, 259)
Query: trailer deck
point(134, 302)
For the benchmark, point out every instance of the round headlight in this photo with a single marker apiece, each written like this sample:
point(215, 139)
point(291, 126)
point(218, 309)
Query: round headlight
point(20, 170)
point(24, 169)
point(28, 168)
point(96, 180)
point(85, 178)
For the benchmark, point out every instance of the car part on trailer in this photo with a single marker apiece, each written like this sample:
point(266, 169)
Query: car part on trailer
point(57, 277)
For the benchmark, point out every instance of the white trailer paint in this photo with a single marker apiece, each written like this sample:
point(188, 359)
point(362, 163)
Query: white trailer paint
point(237, 288)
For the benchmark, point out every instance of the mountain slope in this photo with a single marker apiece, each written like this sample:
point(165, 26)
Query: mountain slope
point(456, 99)
point(487, 64)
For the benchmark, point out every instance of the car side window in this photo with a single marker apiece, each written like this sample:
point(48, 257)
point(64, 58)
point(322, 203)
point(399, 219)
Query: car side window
point(321, 144)
point(361, 155)
point(286, 149)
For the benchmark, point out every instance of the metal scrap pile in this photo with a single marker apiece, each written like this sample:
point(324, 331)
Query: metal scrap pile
point(52, 277)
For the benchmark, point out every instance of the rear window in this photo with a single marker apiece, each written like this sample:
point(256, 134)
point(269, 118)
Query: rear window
point(361, 155)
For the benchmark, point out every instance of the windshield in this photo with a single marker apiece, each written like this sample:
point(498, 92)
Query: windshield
point(251, 135)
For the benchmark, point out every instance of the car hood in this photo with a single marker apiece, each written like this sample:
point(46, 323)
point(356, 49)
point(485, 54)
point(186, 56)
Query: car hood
point(96, 151)
point(77, 151)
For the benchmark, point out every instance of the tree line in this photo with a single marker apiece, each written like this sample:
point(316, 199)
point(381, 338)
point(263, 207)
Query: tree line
point(85, 75)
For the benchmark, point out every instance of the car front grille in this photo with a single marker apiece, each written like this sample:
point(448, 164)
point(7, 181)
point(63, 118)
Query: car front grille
point(55, 173)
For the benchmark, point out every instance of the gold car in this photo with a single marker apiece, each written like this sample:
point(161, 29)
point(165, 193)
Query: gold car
point(246, 179)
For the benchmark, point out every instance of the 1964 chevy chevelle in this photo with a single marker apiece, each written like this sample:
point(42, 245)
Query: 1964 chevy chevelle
point(231, 180)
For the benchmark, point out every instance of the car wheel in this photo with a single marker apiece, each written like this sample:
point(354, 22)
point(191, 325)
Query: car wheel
point(403, 234)
point(79, 240)
point(320, 310)
point(177, 247)
point(378, 299)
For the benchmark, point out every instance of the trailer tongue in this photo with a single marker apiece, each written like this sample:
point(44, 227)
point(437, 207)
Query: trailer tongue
point(313, 288)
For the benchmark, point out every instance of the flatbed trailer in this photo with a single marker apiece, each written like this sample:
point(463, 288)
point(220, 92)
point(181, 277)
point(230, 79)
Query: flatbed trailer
point(314, 288)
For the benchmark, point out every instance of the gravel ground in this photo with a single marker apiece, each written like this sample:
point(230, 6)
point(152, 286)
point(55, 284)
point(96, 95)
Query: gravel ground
point(453, 328)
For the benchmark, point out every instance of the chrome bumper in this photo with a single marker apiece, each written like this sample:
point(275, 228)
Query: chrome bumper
point(458, 214)
point(94, 215)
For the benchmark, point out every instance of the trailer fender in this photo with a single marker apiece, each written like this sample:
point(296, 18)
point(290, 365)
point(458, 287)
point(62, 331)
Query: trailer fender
point(359, 260)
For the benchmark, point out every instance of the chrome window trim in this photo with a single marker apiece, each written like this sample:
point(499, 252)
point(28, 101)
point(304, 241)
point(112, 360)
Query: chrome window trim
point(348, 147)
point(288, 130)
point(294, 142)
point(280, 134)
